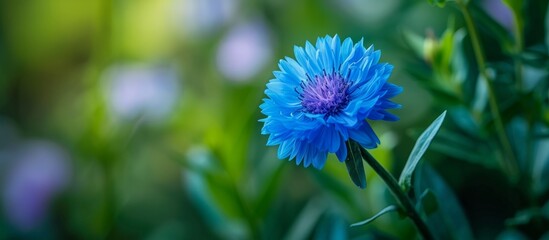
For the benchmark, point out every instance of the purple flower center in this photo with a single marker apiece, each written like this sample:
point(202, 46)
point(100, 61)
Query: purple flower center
point(325, 94)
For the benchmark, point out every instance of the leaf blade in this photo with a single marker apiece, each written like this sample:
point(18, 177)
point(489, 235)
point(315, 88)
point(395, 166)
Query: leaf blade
point(354, 164)
point(388, 209)
point(449, 220)
point(419, 149)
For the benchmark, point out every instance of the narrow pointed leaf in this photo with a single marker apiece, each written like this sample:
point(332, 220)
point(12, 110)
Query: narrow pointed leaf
point(388, 209)
point(419, 149)
point(354, 164)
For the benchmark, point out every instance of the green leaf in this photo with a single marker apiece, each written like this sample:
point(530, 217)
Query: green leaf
point(512, 234)
point(419, 149)
point(427, 202)
point(540, 170)
point(197, 189)
point(335, 186)
point(415, 42)
point(466, 148)
point(439, 3)
point(449, 221)
point(546, 23)
point(445, 51)
point(391, 208)
point(269, 189)
point(459, 61)
point(491, 27)
point(305, 223)
point(439, 90)
point(332, 226)
point(354, 164)
point(524, 217)
point(545, 210)
point(516, 8)
point(481, 94)
point(536, 56)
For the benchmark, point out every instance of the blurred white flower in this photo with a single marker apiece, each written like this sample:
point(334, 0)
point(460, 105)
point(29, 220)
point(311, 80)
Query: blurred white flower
point(39, 171)
point(146, 91)
point(244, 51)
point(202, 17)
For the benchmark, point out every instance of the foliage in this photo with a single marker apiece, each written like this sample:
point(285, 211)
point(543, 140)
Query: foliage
point(185, 159)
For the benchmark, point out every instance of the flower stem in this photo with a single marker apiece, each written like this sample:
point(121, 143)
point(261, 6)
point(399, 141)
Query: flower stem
point(404, 201)
point(509, 165)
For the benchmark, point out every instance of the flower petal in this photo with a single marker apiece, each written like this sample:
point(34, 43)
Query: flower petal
point(320, 100)
point(365, 136)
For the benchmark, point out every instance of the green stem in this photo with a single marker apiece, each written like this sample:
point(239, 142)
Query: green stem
point(509, 164)
point(404, 201)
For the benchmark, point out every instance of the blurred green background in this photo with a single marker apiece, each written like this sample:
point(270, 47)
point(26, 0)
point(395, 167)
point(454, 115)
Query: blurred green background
point(139, 120)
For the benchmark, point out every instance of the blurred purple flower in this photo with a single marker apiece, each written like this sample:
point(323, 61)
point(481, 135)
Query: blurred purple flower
point(39, 171)
point(499, 12)
point(244, 51)
point(142, 91)
point(202, 17)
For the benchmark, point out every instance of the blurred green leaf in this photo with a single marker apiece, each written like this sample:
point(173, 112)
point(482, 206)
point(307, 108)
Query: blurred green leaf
point(467, 148)
point(198, 191)
point(466, 140)
point(450, 221)
point(415, 42)
point(546, 23)
point(517, 130)
point(388, 209)
point(516, 7)
point(439, 3)
point(536, 56)
point(236, 129)
point(463, 119)
point(444, 53)
point(427, 202)
point(440, 91)
point(305, 222)
point(492, 28)
point(524, 217)
point(419, 149)
point(481, 95)
point(545, 210)
point(329, 182)
point(354, 164)
point(212, 191)
point(540, 168)
point(511, 234)
point(268, 192)
point(460, 63)
point(331, 227)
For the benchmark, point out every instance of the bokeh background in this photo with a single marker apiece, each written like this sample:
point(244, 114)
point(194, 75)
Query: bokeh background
point(138, 119)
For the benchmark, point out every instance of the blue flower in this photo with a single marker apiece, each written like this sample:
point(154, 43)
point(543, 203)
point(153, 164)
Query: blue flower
point(319, 101)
